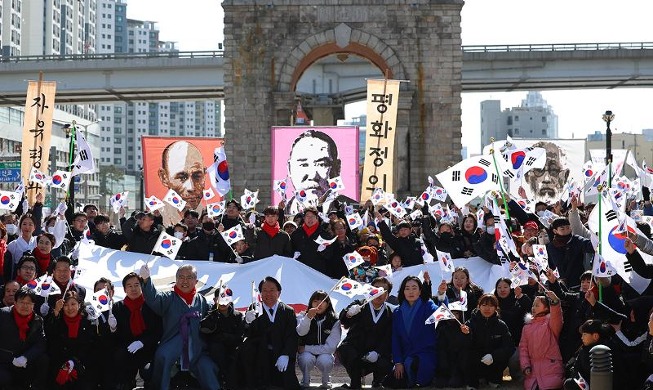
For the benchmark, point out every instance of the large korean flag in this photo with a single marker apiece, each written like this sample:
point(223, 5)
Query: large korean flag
point(469, 178)
point(612, 242)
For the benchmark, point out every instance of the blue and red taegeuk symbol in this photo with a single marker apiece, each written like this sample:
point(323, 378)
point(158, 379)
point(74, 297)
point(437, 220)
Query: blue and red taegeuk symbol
point(521, 204)
point(517, 159)
point(602, 267)
point(444, 261)
point(5, 199)
point(588, 173)
point(425, 196)
point(175, 200)
point(31, 284)
point(352, 221)
point(282, 185)
point(346, 286)
point(540, 251)
point(57, 179)
point(88, 234)
point(302, 194)
point(103, 299)
point(439, 191)
point(216, 208)
point(165, 244)
point(475, 175)
point(374, 292)
point(153, 202)
point(233, 234)
point(223, 170)
point(45, 286)
point(616, 241)
point(333, 185)
point(352, 259)
point(118, 196)
point(38, 176)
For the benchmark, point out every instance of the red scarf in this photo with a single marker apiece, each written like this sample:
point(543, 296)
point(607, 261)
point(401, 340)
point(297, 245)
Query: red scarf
point(187, 297)
point(43, 260)
point(271, 230)
point(23, 323)
point(3, 250)
point(136, 321)
point(310, 230)
point(73, 325)
point(21, 281)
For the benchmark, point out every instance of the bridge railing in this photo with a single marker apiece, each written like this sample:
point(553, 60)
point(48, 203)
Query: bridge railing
point(557, 47)
point(115, 56)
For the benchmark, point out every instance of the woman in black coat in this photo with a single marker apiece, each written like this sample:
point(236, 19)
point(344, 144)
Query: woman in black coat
point(303, 240)
point(71, 345)
point(137, 334)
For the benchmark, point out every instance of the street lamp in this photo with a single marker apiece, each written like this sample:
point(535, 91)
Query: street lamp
point(608, 117)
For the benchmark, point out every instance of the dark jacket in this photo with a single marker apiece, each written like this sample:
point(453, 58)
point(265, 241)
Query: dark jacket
point(111, 240)
point(637, 262)
point(512, 312)
point(489, 335)
point(280, 336)
point(61, 348)
point(336, 267)
point(196, 248)
point(569, 258)
point(409, 248)
point(123, 335)
point(307, 247)
point(364, 335)
point(451, 244)
point(267, 246)
point(10, 344)
point(227, 330)
point(486, 248)
point(138, 240)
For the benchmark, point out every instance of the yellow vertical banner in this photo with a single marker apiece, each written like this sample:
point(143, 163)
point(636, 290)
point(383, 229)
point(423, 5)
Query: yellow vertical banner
point(382, 103)
point(37, 131)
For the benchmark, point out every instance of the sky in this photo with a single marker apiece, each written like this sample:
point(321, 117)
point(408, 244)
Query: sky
point(197, 25)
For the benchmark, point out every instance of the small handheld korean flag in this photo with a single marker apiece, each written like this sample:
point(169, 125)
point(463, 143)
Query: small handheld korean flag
point(324, 243)
point(249, 199)
point(373, 292)
point(84, 162)
point(602, 267)
point(37, 176)
point(395, 208)
point(439, 193)
point(377, 196)
point(306, 198)
point(167, 245)
point(257, 304)
point(280, 188)
point(354, 221)
point(385, 270)
point(118, 200)
point(60, 179)
point(353, 260)
point(215, 209)
point(219, 172)
point(348, 287)
point(9, 200)
point(20, 188)
point(582, 384)
point(101, 300)
point(208, 194)
point(427, 257)
point(174, 200)
point(336, 184)
point(47, 287)
point(153, 203)
point(541, 257)
point(446, 264)
point(233, 235)
point(439, 315)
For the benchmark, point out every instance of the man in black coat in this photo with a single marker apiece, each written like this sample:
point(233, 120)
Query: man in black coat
point(368, 345)
point(270, 239)
point(567, 251)
point(405, 243)
point(23, 358)
point(268, 354)
point(304, 239)
point(105, 236)
point(141, 233)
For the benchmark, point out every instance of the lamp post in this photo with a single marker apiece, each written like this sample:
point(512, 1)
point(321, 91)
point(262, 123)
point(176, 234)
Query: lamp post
point(608, 117)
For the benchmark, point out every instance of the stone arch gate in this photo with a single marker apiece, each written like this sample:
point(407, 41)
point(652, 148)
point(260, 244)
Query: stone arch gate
point(270, 43)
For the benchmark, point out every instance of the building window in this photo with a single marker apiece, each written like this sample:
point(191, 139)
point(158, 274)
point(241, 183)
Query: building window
point(544, 119)
point(543, 131)
point(516, 131)
point(516, 118)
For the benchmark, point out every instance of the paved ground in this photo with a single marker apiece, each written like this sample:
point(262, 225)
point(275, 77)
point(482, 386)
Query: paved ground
point(339, 377)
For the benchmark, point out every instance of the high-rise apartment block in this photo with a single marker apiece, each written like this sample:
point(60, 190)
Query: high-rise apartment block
point(533, 119)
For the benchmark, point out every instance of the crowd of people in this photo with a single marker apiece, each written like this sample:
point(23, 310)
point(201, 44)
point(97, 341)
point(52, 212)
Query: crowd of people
point(540, 332)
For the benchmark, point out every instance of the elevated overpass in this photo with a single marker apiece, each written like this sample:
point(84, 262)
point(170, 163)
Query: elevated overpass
point(94, 78)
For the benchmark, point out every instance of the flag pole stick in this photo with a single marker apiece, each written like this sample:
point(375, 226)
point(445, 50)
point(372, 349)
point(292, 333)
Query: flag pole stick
point(499, 179)
point(600, 188)
point(330, 291)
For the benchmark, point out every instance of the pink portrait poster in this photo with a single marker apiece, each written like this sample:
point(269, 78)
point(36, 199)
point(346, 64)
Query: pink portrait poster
point(307, 157)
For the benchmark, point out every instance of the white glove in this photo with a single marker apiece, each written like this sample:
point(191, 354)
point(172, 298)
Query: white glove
point(144, 272)
point(353, 310)
point(75, 253)
point(250, 315)
point(25, 206)
point(321, 247)
point(296, 255)
point(20, 361)
point(45, 309)
point(135, 346)
point(113, 322)
point(487, 359)
point(371, 357)
point(282, 363)
point(70, 365)
point(239, 260)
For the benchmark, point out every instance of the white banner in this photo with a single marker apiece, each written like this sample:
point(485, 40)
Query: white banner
point(298, 280)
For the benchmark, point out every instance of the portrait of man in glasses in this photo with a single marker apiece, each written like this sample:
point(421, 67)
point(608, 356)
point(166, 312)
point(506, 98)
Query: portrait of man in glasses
point(548, 183)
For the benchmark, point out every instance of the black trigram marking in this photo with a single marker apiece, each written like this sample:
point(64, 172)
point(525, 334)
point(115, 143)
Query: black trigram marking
point(466, 191)
point(530, 161)
point(627, 266)
point(484, 162)
point(611, 215)
point(455, 176)
point(508, 173)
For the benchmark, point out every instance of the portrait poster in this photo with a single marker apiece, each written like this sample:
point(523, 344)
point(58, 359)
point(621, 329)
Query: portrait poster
point(564, 163)
point(307, 157)
point(179, 163)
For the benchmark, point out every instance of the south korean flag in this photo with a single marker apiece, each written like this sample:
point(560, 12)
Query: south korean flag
point(9, 200)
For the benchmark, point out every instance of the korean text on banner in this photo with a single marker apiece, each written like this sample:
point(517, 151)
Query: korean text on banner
point(382, 103)
point(39, 108)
